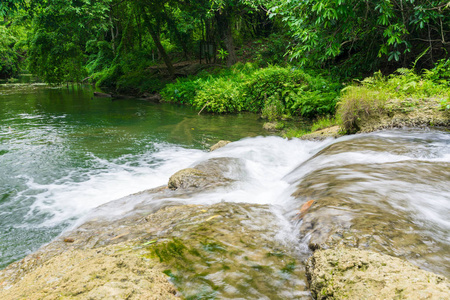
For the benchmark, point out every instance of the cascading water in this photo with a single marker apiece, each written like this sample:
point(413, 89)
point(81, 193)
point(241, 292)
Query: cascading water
point(387, 191)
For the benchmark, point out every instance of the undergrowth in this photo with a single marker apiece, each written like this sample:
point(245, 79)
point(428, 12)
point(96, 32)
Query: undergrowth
point(404, 90)
point(273, 91)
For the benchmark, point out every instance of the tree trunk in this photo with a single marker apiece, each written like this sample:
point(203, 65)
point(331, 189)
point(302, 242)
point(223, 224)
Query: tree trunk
point(161, 50)
point(223, 18)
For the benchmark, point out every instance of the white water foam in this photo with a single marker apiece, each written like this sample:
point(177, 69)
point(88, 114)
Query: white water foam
point(69, 198)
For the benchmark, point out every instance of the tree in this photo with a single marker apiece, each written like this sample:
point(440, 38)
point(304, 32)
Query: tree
point(9, 6)
point(364, 32)
point(60, 32)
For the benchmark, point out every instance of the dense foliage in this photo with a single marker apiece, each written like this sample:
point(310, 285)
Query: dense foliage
point(12, 46)
point(274, 91)
point(365, 34)
point(274, 57)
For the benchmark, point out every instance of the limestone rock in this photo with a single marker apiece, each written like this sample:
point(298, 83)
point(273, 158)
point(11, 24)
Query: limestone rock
point(113, 272)
point(270, 126)
point(219, 144)
point(322, 134)
point(210, 173)
point(186, 178)
point(346, 273)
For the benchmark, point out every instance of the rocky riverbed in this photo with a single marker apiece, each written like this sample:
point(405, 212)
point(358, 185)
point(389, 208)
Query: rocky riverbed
point(162, 248)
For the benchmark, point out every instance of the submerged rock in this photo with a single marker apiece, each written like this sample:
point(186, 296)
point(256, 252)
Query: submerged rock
point(273, 126)
point(219, 144)
point(373, 206)
point(345, 273)
point(225, 250)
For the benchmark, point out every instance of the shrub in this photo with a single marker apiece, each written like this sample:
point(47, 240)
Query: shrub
point(356, 104)
point(273, 91)
point(325, 122)
point(404, 89)
point(269, 81)
point(273, 108)
point(222, 96)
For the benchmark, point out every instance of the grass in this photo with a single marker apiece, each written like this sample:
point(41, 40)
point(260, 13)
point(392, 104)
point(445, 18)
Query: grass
point(404, 92)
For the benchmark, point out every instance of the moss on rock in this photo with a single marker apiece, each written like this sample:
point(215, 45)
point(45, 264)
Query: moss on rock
point(348, 273)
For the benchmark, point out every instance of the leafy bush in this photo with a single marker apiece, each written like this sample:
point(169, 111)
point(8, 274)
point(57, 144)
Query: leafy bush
point(358, 103)
point(269, 81)
point(138, 82)
point(108, 77)
point(273, 108)
point(273, 91)
point(222, 96)
point(183, 90)
point(324, 122)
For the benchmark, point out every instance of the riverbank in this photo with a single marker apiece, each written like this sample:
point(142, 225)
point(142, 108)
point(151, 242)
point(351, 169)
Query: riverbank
point(403, 99)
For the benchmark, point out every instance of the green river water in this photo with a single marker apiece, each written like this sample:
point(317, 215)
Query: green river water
point(63, 152)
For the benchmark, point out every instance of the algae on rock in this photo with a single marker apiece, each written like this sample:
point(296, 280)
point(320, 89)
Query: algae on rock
point(348, 273)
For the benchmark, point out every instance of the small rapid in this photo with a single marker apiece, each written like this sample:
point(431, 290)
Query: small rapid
point(90, 164)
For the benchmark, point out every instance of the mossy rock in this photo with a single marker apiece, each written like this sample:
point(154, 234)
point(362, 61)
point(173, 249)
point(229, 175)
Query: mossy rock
point(348, 273)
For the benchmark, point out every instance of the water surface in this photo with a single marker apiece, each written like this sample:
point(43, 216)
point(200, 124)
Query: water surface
point(64, 152)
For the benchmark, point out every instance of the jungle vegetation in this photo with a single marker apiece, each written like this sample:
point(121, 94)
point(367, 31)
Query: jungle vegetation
point(274, 57)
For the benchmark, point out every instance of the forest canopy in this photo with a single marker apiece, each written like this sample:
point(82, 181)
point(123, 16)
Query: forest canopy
point(63, 41)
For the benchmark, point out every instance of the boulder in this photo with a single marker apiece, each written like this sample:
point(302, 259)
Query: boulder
point(349, 273)
point(187, 178)
point(271, 126)
point(210, 173)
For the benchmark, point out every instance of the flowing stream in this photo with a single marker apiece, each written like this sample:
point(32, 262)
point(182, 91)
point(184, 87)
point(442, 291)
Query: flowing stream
point(64, 153)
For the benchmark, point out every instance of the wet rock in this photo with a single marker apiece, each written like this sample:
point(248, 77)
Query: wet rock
point(331, 132)
point(186, 178)
point(369, 205)
point(345, 273)
point(114, 272)
point(225, 250)
point(219, 144)
point(156, 97)
point(102, 95)
point(211, 173)
point(397, 113)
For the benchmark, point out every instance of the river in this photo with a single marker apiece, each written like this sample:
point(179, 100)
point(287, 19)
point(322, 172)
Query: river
point(64, 153)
